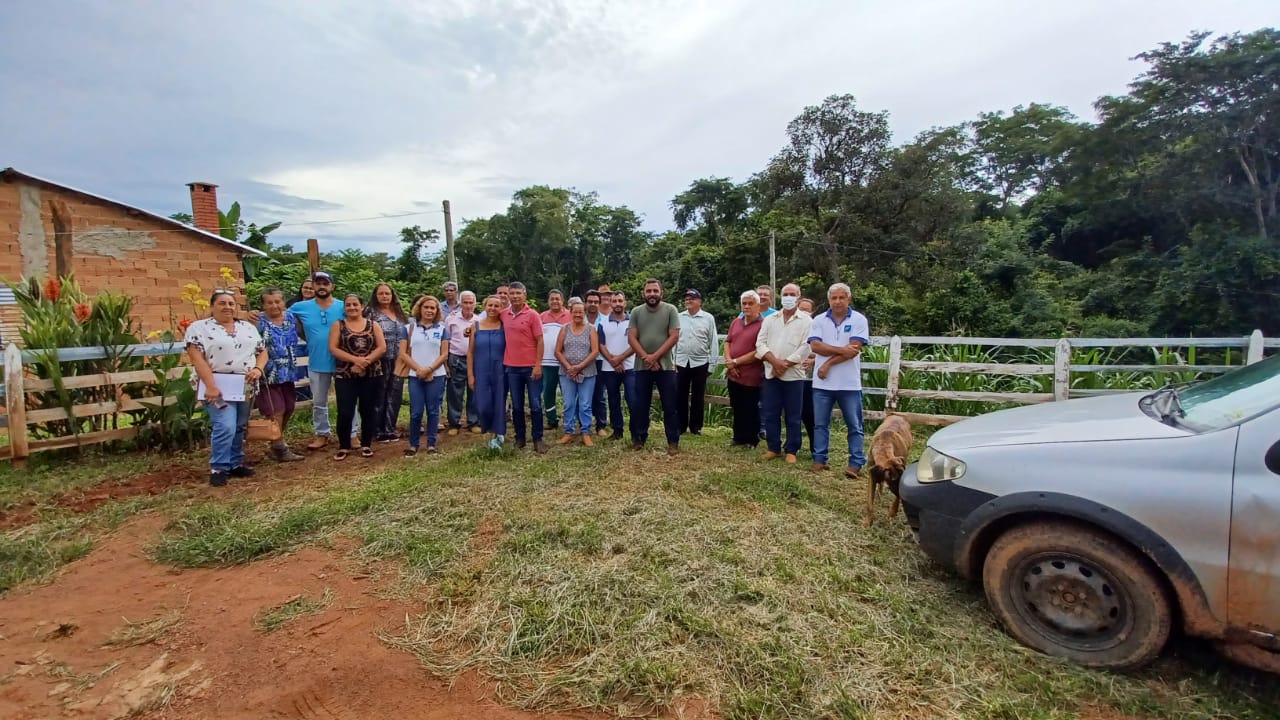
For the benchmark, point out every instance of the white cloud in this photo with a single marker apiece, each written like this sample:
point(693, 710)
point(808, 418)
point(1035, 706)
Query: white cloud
point(375, 111)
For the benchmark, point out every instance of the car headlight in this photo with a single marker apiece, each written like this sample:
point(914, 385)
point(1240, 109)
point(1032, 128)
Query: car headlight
point(937, 467)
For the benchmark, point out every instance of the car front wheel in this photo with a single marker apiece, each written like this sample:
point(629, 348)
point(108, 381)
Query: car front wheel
point(1069, 591)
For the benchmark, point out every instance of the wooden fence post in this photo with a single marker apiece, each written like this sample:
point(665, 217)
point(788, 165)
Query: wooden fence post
point(1254, 353)
point(1062, 370)
point(15, 399)
point(895, 371)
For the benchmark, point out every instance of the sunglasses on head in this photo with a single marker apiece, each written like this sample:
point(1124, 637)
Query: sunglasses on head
point(216, 293)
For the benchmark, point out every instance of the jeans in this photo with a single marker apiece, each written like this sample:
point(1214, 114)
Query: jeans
point(778, 398)
point(806, 412)
point(645, 380)
point(353, 393)
point(744, 400)
point(691, 395)
point(390, 398)
point(617, 386)
point(425, 395)
point(850, 402)
point(226, 442)
point(550, 381)
point(519, 381)
point(457, 389)
point(319, 383)
point(491, 400)
point(599, 406)
point(577, 403)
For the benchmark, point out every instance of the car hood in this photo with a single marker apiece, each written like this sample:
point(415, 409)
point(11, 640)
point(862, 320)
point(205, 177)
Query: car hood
point(1110, 417)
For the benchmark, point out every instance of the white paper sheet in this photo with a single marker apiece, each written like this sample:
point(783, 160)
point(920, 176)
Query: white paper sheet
point(232, 387)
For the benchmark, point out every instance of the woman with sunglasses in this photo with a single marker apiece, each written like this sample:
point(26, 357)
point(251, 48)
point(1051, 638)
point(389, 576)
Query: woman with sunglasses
point(228, 354)
point(357, 344)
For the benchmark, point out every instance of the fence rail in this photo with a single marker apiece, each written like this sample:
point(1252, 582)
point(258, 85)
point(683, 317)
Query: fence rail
point(19, 382)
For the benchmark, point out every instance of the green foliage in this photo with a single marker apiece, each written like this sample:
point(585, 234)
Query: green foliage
point(57, 314)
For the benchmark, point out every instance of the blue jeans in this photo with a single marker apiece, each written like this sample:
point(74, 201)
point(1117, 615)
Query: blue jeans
point(645, 380)
point(850, 402)
point(425, 395)
point(599, 406)
point(782, 398)
point(577, 403)
point(519, 381)
point(226, 443)
point(618, 385)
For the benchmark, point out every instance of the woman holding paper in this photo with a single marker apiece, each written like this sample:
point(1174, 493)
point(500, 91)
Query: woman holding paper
point(227, 354)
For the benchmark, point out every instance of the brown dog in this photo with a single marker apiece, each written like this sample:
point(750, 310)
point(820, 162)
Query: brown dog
point(889, 448)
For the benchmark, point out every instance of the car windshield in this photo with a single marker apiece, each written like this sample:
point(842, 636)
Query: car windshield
point(1231, 398)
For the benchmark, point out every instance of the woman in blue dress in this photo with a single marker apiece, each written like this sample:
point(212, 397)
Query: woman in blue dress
point(485, 374)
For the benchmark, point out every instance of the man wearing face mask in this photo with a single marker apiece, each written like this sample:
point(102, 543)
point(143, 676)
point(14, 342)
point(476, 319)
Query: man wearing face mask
point(783, 344)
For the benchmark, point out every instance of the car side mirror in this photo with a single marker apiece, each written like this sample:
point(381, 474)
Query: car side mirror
point(1272, 459)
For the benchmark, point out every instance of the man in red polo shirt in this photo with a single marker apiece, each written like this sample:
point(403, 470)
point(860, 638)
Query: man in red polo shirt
point(522, 362)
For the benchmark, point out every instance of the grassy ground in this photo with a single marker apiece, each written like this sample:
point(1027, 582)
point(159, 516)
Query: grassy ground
point(623, 582)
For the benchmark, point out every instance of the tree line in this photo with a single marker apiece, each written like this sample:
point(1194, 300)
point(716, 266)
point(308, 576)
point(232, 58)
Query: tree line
point(1157, 218)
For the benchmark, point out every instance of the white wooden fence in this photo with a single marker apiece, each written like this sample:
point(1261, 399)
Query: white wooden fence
point(19, 381)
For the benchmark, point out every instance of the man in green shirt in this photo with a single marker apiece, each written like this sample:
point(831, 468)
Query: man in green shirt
point(654, 331)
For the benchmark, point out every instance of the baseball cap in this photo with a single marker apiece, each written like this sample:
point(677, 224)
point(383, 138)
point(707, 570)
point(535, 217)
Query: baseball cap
point(691, 293)
point(322, 276)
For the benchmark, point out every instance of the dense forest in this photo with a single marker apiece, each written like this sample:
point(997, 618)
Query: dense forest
point(1158, 218)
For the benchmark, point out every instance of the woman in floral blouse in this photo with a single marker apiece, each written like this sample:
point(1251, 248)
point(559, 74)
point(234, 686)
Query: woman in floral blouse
point(384, 309)
point(221, 347)
point(279, 330)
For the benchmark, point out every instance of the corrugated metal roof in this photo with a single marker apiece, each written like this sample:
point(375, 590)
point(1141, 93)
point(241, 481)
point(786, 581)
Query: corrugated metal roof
point(6, 296)
point(10, 172)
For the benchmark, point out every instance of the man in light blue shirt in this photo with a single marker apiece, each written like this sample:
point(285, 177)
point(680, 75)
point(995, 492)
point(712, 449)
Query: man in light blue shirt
point(694, 351)
point(837, 337)
point(317, 316)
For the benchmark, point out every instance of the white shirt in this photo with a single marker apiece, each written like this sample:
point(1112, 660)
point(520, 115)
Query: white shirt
point(424, 345)
point(787, 340)
point(225, 352)
point(697, 344)
point(615, 341)
point(550, 333)
point(847, 375)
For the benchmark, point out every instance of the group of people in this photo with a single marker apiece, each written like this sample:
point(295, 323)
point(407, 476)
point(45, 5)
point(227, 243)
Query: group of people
point(785, 368)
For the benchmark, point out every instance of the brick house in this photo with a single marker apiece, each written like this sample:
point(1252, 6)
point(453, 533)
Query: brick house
point(47, 228)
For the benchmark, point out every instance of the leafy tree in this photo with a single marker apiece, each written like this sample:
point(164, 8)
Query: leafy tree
point(1018, 155)
point(410, 266)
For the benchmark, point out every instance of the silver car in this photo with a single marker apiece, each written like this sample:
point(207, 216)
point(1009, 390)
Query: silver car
point(1098, 525)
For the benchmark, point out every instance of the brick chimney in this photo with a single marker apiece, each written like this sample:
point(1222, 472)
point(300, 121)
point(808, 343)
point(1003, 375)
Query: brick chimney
point(204, 206)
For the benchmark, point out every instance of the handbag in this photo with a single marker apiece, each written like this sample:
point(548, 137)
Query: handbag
point(401, 369)
point(266, 428)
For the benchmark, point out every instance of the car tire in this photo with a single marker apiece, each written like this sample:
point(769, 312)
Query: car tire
point(1077, 593)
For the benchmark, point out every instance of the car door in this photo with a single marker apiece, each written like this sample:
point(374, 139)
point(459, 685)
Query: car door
point(1253, 578)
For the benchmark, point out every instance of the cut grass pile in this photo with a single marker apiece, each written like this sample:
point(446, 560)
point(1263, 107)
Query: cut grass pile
point(142, 632)
point(292, 609)
point(628, 582)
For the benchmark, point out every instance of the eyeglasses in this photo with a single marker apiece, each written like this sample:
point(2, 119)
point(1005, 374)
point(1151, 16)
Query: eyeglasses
point(216, 293)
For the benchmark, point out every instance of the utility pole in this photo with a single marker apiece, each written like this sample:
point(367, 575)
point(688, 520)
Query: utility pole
point(448, 242)
point(773, 262)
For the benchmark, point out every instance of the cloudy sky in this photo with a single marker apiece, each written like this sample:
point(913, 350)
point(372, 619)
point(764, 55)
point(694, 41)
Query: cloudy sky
point(324, 110)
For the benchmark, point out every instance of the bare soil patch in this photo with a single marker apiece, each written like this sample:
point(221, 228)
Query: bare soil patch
point(215, 661)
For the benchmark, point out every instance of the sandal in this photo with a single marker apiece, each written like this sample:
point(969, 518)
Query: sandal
point(410, 452)
point(342, 455)
point(366, 452)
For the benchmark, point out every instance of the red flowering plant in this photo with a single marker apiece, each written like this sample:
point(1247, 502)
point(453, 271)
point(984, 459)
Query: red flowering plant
point(56, 313)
